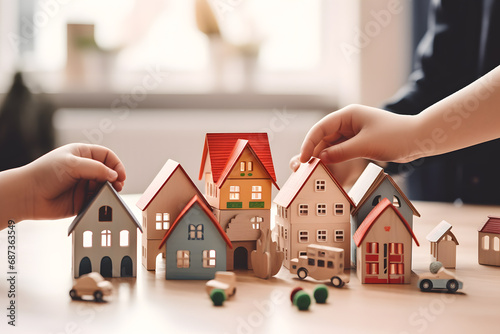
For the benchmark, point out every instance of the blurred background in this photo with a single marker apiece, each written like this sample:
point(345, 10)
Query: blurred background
point(149, 78)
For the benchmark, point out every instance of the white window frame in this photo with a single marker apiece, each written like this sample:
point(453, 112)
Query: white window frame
point(321, 209)
point(303, 234)
point(234, 193)
point(183, 258)
point(105, 238)
point(209, 258)
point(303, 210)
point(320, 185)
point(339, 235)
point(338, 209)
point(321, 235)
point(256, 192)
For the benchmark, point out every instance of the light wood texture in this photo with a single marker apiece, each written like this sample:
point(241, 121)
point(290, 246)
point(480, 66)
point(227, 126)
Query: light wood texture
point(150, 302)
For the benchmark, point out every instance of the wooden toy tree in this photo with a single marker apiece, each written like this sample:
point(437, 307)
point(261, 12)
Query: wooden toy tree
point(266, 259)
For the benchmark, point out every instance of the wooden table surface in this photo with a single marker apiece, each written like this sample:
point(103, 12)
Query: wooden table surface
point(149, 302)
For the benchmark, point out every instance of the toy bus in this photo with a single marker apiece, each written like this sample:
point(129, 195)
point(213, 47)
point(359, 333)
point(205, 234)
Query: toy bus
point(321, 263)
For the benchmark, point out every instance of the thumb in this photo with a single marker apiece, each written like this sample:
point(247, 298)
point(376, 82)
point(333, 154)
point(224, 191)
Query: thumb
point(344, 151)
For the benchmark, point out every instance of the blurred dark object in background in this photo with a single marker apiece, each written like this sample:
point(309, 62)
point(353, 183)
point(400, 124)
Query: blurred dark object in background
point(26, 130)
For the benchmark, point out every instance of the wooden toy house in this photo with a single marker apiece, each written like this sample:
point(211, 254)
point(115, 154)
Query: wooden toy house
point(383, 245)
point(371, 187)
point(195, 244)
point(239, 174)
point(161, 203)
point(489, 242)
point(443, 245)
point(104, 236)
point(312, 208)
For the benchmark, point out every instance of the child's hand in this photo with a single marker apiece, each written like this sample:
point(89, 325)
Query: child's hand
point(55, 185)
point(360, 132)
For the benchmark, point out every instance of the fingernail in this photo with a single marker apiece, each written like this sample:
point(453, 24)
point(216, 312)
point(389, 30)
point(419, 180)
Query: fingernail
point(323, 155)
point(295, 165)
point(112, 175)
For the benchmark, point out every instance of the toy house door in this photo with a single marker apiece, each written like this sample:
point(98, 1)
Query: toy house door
point(106, 267)
point(396, 262)
point(85, 266)
point(447, 253)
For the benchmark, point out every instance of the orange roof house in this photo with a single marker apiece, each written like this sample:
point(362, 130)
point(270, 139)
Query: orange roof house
point(384, 246)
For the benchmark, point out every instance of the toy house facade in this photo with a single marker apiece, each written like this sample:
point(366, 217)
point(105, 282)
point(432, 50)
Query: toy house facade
point(372, 186)
point(312, 208)
point(104, 236)
point(161, 203)
point(384, 246)
point(489, 242)
point(195, 244)
point(443, 245)
point(239, 175)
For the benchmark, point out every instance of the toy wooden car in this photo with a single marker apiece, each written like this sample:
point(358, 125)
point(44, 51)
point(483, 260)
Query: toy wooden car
point(224, 280)
point(321, 263)
point(439, 278)
point(92, 284)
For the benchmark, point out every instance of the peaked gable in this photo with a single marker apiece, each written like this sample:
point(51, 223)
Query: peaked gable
point(373, 216)
point(196, 201)
point(439, 231)
point(491, 225)
point(106, 187)
point(299, 178)
point(220, 146)
point(161, 179)
point(369, 181)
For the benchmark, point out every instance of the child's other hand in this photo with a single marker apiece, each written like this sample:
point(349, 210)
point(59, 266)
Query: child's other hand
point(60, 180)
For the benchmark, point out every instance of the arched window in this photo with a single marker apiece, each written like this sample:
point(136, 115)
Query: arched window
point(124, 238)
point(87, 239)
point(105, 213)
point(396, 202)
point(486, 242)
point(106, 238)
point(496, 244)
point(376, 200)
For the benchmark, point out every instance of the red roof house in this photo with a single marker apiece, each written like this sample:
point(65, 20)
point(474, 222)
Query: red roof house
point(489, 242)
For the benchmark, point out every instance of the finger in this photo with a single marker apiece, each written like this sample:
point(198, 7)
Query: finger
point(347, 150)
point(92, 170)
point(294, 163)
point(104, 155)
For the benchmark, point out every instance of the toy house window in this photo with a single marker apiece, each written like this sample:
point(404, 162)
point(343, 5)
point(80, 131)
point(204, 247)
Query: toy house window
point(321, 236)
point(242, 166)
point(234, 192)
point(339, 235)
point(486, 242)
point(303, 253)
point(250, 166)
point(106, 238)
point(376, 200)
point(124, 238)
point(372, 269)
point(285, 234)
point(303, 209)
point(311, 262)
point(372, 248)
point(396, 202)
point(321, 263)
point(209, 258)
point(281, 231)
point(320, 185)
point(329, 264)
point(303, 236)
point(395, 248)
point(321, 209)
point(105, 213)
point(195, 232)
point(285, 213)
point(87, 239)
point(162, 221)
point(396, 269)
point(256, 222)
point(339, 209)
point(496, 244)
point(183, 259)
point(321, 254)
point(144, 222)
point(256, 192)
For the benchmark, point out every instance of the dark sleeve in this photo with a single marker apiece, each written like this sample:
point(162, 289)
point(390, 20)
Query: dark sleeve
point(446, 58)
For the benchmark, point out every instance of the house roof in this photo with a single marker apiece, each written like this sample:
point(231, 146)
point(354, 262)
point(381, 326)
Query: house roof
point(372, 217)
point(196, 200)
point(298, 179)
point(439, 231)
point(491, 225)
point(84, 210)
point(168, 169)
point(220, 147)
point(368, 182)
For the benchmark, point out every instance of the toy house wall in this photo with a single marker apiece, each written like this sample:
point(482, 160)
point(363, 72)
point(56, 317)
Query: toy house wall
point(488, 255)
point(178, 240)
point(313, 222)
point(384, 190)
point(445, 251)
point(283, 239)
point(224, 217)
point(388, 228)
point(90, 222)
